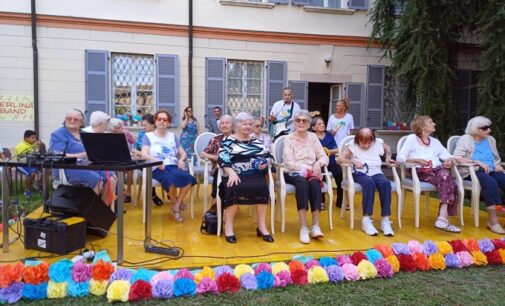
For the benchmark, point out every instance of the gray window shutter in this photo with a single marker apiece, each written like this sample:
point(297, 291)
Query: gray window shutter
point(215, 81)
point(334, 3)
point(300, 2)
point(358, 4)
point(300, 92)
point(279, 1)
point(355, 92)
point(277, 75)
point(375, 96)
point(319, 3)
point(167, 85)
point(97, 81)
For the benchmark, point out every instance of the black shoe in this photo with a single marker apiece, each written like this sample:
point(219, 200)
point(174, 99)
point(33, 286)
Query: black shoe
point(157, 201)
point(127, 199)
point(267, 238)
point(231, 239)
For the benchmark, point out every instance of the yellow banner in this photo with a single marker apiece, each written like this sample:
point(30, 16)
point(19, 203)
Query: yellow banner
point(14, 107)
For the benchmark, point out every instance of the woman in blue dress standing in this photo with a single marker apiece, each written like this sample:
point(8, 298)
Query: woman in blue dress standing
point(190, 130)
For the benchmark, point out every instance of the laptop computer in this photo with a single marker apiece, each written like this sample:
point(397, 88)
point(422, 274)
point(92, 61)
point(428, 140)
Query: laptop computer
point(107, 148)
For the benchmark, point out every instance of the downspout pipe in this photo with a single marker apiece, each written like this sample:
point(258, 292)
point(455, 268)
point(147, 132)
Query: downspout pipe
point(36, 122)
point(190, 55)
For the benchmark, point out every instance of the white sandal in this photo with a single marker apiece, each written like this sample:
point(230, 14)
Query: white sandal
point(444, 225)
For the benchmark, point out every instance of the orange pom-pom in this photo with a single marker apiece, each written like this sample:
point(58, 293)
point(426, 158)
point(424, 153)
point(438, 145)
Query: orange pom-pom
point(422, 262)
point(10, 273)
point(385, 250)
point(501, 252)
point(394, 262)
point(437, 261)
point(295, 265)
point(35, 275)
point(101, 271)
point(472, 245)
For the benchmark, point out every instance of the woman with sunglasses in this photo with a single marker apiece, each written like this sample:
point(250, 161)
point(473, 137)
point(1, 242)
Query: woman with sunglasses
point(480, 147)
point(190, 129)
point(304, 157)
point(365, 155)
point(163, 145)
point(265, 138)
point(433, 166)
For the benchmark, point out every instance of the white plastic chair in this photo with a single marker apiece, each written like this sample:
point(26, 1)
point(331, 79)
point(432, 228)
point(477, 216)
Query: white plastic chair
point(416, 186)
point(138, 175)
point(284, 188)
point(350, 187)
point(272, 201)
point(202, 165)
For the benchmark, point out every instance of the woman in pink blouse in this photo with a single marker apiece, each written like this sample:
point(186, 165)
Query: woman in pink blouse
point(303, 157)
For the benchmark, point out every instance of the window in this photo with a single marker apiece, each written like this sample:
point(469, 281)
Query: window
point(244, 87)
point(132, 83)
point(326, 3)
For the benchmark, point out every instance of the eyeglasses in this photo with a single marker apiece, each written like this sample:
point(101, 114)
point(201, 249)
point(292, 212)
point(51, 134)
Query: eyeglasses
point(484, 128)
point(162, 119)
point(298, 120)
point(71, 119)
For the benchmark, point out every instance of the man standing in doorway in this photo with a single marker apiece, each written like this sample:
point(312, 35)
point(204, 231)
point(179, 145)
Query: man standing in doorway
point(281, 116)
point(211, 121)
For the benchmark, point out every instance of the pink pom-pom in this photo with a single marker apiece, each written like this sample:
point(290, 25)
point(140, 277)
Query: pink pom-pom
point(465, 258)
point(350, 272)
point(312, 263)
point(415, 246)
point(262, 267)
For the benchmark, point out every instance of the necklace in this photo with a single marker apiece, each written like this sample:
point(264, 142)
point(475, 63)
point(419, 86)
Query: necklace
point(425, 143)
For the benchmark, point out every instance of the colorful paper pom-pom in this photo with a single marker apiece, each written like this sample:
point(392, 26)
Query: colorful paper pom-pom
point(81, 272)
point(265, 280)
point(393, 261)
point(326, 261)
point(118, 291)
point(78, 289)
point(317, 274)
point(282, 279)
point(499, 244)
point(206, 285)
point(458, 246)
point(343, 259)
point(295, 265)
point(429, 248)
point(248, 281)
point(163, 275)
point(385, 250)
point(97, 287)
point(222, 269)
point(357, 257)
point(35, 292)
point(262, 267)
point(121, 274)
point(36, 274)
point(242, 269)
point(163, 289)
point(279, 267)
point(400, 248)
point(299, 277)
point(10, 273)
point(415, 247)
point(452, 261)
point(350, 272)
point(384, 268)
point(472, 245)
point(366, 270)
point(12, 293)
point(140, 290)
point(206, 272)
point(444, 247)
point(57, 290)
point(101, 271)
point(422, 262)
point(143, 274)
point(61, 271)
point(479, 259)
point(227, 282)
point(486, 245)
point(335, 273)
point(312, 263)
point(465, 258)
point(501, 252)
point(493, 258)
point(373, 255)
point(437, 261)
point(407, 263)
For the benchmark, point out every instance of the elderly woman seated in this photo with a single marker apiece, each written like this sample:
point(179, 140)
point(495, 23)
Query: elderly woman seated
point(67, 139)
point(433, 166)
point(163, 145)
point(116, 126)
point(245, 161)
point(365, 155)
point(98, 122)
point(304, 157)
point(265, 138)
point(478, 146)
point(211, 151)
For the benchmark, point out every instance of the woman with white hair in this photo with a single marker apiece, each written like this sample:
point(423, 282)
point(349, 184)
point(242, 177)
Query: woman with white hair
point(245, 161)
point(480, 147)
point(116, 126)
point(304, 157)
point(98, 122)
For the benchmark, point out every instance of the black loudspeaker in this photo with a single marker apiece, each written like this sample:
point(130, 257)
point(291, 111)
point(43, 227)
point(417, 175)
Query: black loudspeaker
point(82, 201)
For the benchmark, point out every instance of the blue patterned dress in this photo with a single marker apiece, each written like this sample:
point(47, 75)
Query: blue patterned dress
point(188, 137)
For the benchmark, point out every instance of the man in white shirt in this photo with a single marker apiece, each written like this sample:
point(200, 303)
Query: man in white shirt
point(283, 111)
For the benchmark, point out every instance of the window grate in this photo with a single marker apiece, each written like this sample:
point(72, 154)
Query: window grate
point(245, 87)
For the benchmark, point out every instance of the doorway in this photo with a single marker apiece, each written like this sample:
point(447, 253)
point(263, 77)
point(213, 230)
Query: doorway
point(322, 97)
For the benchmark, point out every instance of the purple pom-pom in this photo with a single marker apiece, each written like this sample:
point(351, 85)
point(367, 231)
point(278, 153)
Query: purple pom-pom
point(12, 293)
point(335, 273)
point(400, 248)
point(384, 268)
point(486, 245)
point(429, 248)
point(282, 279)
point(452, 261)
point(248, 281)
point(81, 272)
point(121, 274)
point(223, 269)
point(163, 289)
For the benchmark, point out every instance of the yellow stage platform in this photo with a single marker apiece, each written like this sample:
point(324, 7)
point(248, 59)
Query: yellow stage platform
point(200, 250)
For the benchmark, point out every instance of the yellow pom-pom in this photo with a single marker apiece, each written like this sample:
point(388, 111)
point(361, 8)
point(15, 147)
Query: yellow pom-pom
point(317, 274)
point(206, 272)
point(479, 259)
point(242, 269)
point(444, 247)
point(437, 261)
point(393, 261)
point(367, 270)
point(57, 290)
point(118, 291)
point(98, 287)
point(278, 267)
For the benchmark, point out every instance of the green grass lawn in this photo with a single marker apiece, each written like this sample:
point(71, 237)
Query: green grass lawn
point(469, 286)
